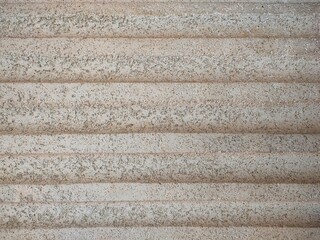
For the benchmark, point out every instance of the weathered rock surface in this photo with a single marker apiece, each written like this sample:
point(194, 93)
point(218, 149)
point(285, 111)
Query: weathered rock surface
point(174, 119)
point(161, 20)
point(159, 60)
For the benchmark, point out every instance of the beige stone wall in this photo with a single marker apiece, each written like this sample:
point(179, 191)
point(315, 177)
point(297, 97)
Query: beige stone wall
point(168, 119)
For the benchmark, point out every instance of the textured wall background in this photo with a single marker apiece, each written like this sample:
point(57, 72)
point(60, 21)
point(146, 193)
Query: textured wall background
point(159, 119)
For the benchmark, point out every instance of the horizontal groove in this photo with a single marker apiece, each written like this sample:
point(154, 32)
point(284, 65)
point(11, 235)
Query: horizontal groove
point(131, 214)
point(89, 193)
point(13, 204)
point(238, 153)
point(160, 233)
point(160, 38)
point(156, 1)
point(195, 81)
point(151, 133)
point(158, 142)
point(252, 167)
point(159, 60)
point(298, 128)
point(160, 20)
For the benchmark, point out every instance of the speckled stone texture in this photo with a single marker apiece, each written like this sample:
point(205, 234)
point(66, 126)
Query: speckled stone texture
point(160, 233)
point(159, 60)
point(155, 168)
point(160, 20)
point(166, 107)
point(160, 119)
point(99, 192)
point(164, 213)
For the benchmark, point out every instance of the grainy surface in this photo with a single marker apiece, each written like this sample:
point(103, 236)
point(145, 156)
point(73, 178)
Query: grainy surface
point(160, 20)
point(176, 213)
point(158, 143)
point(161, 168)
point(163, 107)
point(158, 60)
point(158, 119)
point(160, 233)
point(99, 192)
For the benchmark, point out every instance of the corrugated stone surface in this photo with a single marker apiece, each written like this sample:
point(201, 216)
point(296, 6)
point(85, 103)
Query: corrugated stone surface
point(174, 119)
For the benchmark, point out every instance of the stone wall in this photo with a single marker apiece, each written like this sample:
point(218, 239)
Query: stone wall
point(159, 119)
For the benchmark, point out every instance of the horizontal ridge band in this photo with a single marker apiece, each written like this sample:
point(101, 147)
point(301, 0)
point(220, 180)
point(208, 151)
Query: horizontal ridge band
point(158, 143)
point(159, 192)
point(161, 168)
point(160, 20)
point(158, 60)
point(146, 107)
point(160, 233)
point(117, 214)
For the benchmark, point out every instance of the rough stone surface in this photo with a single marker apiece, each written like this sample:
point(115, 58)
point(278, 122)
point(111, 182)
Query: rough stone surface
point(119, 108)
point(170, 213)
point(99, 192)
point(160, 20)
point(159, 60)
point(161, 168)
point(158, 143)
point(160, 233)
point(174, 119)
